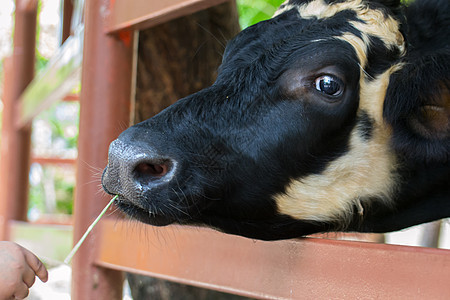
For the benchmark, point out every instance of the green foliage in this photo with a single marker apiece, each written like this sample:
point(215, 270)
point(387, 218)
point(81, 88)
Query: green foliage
point(40, 60)
point(64, 195)
point(61, 181)
point(55, 134)
point(254, 11)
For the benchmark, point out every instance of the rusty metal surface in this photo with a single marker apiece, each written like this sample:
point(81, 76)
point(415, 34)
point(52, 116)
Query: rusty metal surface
point(292, 269)
point(66, 19)
point(104, 113)
point(144, 14)
point(16, 142)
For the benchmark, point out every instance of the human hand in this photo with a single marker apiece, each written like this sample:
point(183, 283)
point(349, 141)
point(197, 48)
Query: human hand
point(18, 270)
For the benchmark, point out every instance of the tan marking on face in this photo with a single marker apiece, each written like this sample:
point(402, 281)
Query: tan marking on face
point(321, 10)
point(367, 170)
point(372, 21)
point(359, 45)
point(373, 92)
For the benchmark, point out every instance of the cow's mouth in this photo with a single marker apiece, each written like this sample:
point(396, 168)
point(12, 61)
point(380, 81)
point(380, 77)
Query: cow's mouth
point(278, 227)
point(143, 215)
point(159, 217)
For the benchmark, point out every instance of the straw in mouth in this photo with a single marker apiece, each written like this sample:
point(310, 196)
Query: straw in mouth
point(78, 245)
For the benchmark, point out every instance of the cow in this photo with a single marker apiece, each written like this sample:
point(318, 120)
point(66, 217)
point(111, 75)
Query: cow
point(334, 115)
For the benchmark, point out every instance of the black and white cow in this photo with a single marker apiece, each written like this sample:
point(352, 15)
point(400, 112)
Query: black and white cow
point(332, 115)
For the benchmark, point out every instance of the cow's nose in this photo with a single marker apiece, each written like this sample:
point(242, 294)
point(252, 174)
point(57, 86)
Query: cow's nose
point(153, 169)
point(132, 169)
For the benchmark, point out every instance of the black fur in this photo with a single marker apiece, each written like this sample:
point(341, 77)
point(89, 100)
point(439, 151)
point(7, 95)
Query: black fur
point(424, 78)
point(365, 126)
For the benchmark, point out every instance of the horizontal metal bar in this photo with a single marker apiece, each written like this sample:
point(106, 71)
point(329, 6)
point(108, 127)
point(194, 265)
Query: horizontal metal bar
point(291, 269)
point(53, 161)
point(71, 97)
point(144, 13)
point(58, 79)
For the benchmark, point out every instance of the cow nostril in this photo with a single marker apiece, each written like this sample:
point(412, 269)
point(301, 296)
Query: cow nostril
point(151, 171)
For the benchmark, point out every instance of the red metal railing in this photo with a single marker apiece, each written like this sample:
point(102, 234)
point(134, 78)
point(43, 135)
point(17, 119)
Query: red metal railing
point(292, 269)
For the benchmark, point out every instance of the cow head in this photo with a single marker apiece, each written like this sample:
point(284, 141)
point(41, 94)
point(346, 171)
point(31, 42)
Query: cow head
point(296, 135)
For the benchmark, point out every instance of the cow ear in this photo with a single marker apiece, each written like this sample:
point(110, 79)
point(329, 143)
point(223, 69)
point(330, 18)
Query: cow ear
point(432, 120)
point(417, 106)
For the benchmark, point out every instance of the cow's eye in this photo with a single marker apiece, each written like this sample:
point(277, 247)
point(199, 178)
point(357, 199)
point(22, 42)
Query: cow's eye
point(329, 85)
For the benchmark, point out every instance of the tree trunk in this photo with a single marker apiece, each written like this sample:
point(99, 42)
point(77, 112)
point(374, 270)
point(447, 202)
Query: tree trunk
point(177, 59)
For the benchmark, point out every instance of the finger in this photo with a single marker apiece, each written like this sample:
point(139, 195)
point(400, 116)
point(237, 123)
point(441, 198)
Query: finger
point(28, 276)
point(21, 291)
point(36, 265)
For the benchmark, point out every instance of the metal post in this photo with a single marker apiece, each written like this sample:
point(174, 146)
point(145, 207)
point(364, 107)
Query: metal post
point(105, 109)
point(16, 142)
point(66, 20)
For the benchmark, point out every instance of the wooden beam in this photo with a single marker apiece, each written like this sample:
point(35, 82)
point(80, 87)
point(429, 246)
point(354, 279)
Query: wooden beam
point(290, 269)
point(144, 14)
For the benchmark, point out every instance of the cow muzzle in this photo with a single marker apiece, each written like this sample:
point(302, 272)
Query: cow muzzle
point(133, 171)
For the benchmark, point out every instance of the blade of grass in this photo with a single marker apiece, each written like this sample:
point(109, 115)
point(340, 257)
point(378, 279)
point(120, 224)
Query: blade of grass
point(78, 245)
